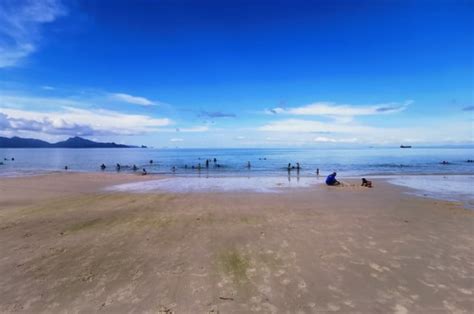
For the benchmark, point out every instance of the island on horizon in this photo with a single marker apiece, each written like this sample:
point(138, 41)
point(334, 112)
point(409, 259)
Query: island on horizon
point(72, 142)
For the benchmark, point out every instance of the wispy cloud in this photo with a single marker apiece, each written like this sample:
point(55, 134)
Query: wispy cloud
point(336, 110)
point(74, 121)
point(308, 126)
point(195, 129)
point(136, 100)
point(323, 139)
point(21, 25)
point(175, 140)
point(217, 114)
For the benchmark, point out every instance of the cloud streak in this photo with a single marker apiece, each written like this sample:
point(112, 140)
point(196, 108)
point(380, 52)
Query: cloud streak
point(21, 25)
point(136, 100)
point(217, 114)
point(336, 110)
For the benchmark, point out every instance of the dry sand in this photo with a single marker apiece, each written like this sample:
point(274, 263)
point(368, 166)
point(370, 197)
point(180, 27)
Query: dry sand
point(68, 247)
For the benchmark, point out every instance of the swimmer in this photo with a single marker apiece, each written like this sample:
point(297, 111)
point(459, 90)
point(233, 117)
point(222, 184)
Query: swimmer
point(151, 161)
point(135, 168)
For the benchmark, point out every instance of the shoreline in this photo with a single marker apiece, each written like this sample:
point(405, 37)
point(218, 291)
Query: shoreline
point(424, 186)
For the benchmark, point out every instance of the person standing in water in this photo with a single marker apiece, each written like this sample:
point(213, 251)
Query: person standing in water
point(248, 164)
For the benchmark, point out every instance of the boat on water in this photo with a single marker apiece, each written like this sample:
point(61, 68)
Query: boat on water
point(405, 146)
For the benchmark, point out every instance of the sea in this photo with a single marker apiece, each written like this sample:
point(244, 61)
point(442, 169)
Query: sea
point(416, 168)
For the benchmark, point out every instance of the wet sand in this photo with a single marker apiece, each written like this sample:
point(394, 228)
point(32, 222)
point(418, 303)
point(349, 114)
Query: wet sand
point(70, 246)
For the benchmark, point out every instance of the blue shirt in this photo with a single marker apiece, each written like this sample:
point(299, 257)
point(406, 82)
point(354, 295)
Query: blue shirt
point(331, 179)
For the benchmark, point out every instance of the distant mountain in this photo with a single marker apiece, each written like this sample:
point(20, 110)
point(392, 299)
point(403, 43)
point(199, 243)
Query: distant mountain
point(18, 142)
point(73, 142)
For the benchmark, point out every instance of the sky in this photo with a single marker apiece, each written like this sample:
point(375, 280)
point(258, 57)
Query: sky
point(238, 73)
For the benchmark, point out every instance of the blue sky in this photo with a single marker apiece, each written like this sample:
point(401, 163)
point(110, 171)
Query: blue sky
point(238, 73)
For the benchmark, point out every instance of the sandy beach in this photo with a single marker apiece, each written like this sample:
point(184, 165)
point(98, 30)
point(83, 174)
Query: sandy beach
point(70, 245)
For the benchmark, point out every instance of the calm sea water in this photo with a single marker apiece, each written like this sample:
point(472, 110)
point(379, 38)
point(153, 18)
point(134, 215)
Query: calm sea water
point(233, 162)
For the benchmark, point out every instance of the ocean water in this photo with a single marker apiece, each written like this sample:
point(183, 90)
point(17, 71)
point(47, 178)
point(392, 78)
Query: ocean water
point(233, 162)
point(418, 168)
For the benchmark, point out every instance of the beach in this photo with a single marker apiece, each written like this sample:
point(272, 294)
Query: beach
point(71, 243)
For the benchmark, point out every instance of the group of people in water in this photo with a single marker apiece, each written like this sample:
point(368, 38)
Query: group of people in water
point(330, 179)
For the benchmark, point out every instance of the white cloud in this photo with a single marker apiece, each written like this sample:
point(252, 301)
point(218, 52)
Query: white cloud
point(74, 121)
point(195, 129)
point(136, 100)
point(323, 139)
point(20, 27)
point(176, 140)
point(308, 126)
point(335, 110)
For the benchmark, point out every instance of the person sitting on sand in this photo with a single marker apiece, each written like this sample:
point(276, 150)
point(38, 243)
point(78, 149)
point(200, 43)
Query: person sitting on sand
point(366, 183)
point(331, 179)
point(103, 167)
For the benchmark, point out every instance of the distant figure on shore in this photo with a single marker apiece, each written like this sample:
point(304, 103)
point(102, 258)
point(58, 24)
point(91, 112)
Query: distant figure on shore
point(215, 160)
point(199, 166)
point(66, 167)
point(298, 167)
point(366, 183)
point(135, 168)
point(173, 169)
point(185, 166)
point(144, 173)
point(444, 162)
point(317, 172)
point(289, 166)
point(151, 161)
point(207, 163)
point(331, 179)
point(13, 159)
point(102, 167)
point(248, 164)
point(118, 167)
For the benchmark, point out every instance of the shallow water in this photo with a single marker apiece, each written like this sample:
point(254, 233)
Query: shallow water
point(445, 187)
point(218, 184)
